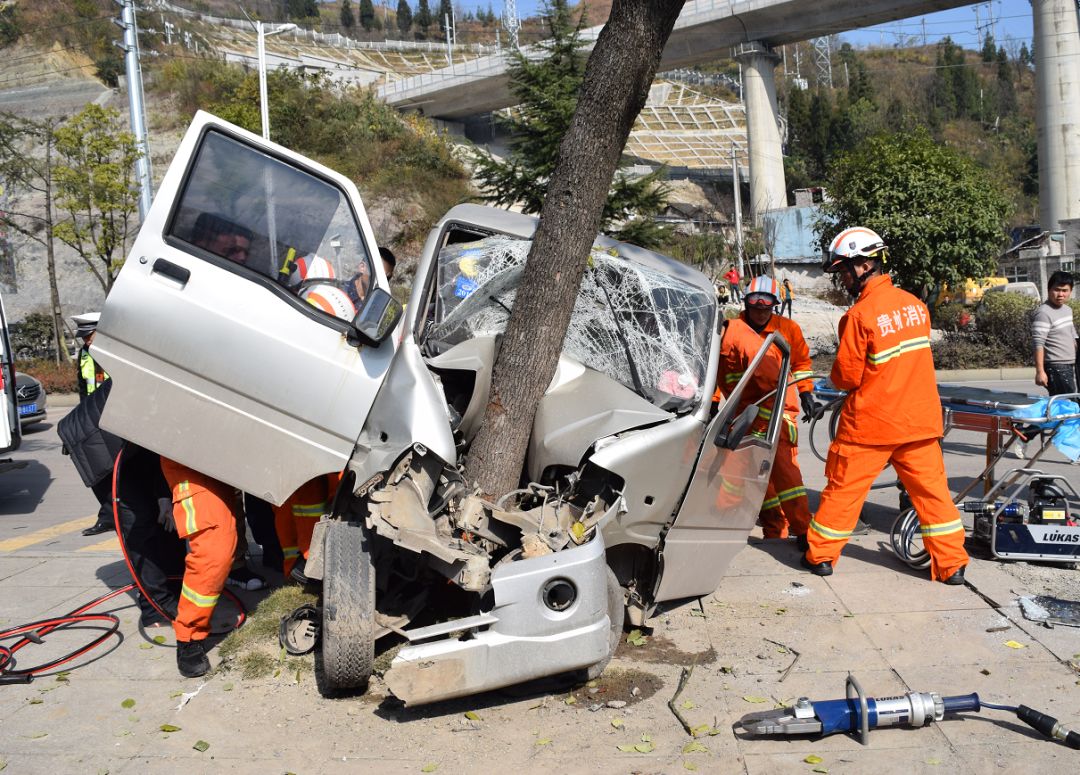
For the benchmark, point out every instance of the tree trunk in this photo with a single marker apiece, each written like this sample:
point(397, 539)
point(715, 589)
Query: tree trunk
point(62, 355)
point(617, 79)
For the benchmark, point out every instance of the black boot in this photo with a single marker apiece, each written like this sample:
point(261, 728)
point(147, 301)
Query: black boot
point(957, 579)
point(817, 568)
point(191, 658)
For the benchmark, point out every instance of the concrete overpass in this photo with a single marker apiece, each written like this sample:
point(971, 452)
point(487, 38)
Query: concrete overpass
point(709, 29)
point(706, 30)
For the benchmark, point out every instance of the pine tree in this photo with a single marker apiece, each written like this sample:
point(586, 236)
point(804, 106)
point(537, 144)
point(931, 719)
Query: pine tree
point(423, 18)
point(347, 18)
point(989, 50)
point(404, 17)
point(367, 15)
point(547, 90)
point(446, 13)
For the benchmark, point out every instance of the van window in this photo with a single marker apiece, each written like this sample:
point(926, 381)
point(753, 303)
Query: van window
point(245, 210)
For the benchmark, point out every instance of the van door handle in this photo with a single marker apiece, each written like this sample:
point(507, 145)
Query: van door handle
point(172, 271)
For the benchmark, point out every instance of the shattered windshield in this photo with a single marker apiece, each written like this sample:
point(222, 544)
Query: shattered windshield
point(644, 328)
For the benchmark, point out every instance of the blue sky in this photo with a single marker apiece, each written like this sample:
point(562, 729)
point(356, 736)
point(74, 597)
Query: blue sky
point(1012, 22)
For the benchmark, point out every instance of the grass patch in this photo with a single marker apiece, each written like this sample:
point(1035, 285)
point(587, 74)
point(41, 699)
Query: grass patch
point(254, 650)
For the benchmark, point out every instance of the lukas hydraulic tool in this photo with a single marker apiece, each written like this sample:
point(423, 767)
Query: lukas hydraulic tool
point(859, 713)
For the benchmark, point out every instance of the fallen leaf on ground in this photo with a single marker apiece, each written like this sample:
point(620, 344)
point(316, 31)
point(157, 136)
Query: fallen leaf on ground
point(688, 705)
point(36, 701)
point(145, 646)
point(635, 638)
point(544, 741)
point(169, 728)
point(1015, 644)
point(812, 759)
point(429, 767)
point(616, 722)
point(225, 688)
point(819, 769)
point(571, 700)
point(176, 694)
point(933, 762)
point(37, 735)
point(694, 747)
point(128, 703)
point(472, 715)
point(697, 612)
point(201, 745)
point(159, 639)
point(63, 676)
point(752, 698)
point(689, 765)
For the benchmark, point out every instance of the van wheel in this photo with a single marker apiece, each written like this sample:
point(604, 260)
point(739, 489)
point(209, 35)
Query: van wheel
point(616, 605)
point(347, 651)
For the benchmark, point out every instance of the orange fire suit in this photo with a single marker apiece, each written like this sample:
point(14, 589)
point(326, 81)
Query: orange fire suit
point(785, 507)
point(892, 414)
point(295, 519)
point(203, 510)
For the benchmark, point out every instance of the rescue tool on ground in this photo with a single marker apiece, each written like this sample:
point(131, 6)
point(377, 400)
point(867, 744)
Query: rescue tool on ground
point(859, 713)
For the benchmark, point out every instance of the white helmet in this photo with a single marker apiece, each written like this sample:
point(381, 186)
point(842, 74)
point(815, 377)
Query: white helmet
point(310, 267)
point(856, 242)
point(331, 300)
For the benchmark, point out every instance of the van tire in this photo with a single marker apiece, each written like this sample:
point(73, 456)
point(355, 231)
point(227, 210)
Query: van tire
point(616, 604)
point(347, 649)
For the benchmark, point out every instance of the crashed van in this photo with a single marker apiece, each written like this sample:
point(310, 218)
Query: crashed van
point(636, 488)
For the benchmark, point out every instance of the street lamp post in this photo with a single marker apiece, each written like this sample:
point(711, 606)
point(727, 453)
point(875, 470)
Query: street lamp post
point(263, 110)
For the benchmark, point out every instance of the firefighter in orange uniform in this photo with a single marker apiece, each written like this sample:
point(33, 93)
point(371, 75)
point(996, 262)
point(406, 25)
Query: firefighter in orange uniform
point(892, 413)
point(204, 513)
point(785, 508)
point(295, 521)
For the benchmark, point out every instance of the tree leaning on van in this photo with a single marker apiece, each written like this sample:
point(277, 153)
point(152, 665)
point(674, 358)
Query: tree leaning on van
point(943, 217)
point(617, 79)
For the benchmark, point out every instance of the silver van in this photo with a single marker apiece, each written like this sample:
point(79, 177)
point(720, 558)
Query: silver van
point(275, 354)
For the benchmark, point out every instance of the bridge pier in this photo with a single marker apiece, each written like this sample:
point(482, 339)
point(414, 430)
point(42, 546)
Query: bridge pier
point(768, 190)
point(1057, 112)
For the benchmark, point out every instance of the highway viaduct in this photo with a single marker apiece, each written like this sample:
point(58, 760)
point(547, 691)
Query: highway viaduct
point(751, 29)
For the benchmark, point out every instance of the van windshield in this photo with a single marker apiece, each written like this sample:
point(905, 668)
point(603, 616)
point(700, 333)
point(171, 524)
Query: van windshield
point(643, 328)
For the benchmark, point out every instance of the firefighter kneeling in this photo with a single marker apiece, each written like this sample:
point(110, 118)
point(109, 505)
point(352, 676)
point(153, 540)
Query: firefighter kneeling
point(892, 413)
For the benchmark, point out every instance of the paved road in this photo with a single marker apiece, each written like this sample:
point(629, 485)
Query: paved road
point(45, 505)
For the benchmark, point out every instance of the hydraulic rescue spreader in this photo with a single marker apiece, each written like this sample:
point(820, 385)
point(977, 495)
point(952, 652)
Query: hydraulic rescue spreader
point(859, 713)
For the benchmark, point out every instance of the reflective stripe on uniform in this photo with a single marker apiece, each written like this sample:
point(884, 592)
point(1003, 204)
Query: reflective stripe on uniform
point(791, 494)
point(801, 375)
point(309, 510)
point(909, 345)
point(733, 377)
point(202, 601)
point(290, 552)
point(945, 528)
point(189, 508)
point(828, 533)
point(733, 487)
point(771, 503)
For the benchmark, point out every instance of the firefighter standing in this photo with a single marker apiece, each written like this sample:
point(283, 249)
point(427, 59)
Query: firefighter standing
point(892, 413)
point(785, 508)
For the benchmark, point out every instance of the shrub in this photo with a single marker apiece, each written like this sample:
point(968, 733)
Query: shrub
point(54, 377)
point(952, 317)
point(32, 337)
point(1005, 320)
point(967, 350)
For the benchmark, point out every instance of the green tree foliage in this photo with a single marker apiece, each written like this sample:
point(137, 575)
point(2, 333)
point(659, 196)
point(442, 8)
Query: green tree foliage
point(547, 90)
point(956, 87)
point(422, 20)
point(367, 15)
point(941, 215)
point(9, 24)
point(302, 9)
point(346, 17)
point(404, 17)
point(96, 191)
point(445, 14)
point(989, 49)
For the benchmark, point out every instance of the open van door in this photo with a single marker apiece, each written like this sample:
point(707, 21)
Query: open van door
point(229, 333)
point(10, 430)
point(726, 491)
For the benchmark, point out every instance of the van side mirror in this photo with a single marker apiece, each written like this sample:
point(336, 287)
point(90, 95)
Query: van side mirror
point(378, 317)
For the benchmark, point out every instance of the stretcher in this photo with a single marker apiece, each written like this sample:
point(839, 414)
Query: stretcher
point(1042, 527)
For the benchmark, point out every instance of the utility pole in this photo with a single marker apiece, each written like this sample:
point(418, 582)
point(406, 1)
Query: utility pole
point(737, 188)
point(133, 75)
point(823, 60)
point(449, 45)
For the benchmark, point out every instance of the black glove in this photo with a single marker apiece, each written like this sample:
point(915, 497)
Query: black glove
point(810, 408)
